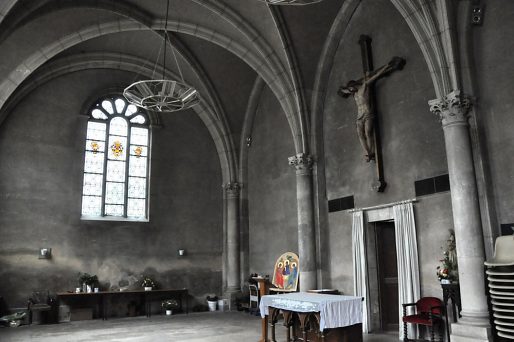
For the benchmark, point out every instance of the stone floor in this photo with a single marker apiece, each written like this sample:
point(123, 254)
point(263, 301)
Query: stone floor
point(206, 326)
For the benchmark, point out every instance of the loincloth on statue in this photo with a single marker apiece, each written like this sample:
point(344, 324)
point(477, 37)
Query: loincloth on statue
point(367, 116)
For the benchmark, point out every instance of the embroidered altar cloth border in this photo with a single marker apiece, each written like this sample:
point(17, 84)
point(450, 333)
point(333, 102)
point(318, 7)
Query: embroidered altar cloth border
point(335, 310)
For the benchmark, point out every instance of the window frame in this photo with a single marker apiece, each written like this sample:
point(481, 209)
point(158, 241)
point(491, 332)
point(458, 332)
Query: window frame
point(130, 125)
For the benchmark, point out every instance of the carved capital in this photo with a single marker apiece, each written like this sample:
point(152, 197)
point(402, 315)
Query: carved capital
point(452, 108)
point(302, 163)
point(232, 189)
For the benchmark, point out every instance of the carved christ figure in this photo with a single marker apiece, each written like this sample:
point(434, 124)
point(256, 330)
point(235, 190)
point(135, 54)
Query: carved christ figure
point(360, 90)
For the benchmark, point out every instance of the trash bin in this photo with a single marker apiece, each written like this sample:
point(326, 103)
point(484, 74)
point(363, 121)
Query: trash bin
point(212, 305)
point(221, 305)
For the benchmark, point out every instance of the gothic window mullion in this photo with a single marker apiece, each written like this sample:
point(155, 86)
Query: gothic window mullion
point(106, 159)
point(127, 168)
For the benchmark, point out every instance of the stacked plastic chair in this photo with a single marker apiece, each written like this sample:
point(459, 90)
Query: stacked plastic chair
point(500, 278)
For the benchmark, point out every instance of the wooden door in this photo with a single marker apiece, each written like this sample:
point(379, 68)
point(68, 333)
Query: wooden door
point(387, 275)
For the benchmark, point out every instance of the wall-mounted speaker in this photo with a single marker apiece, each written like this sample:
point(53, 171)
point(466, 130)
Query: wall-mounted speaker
point(477, 15)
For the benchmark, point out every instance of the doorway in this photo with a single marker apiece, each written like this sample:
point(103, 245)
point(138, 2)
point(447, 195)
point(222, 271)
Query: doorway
point(387, 274)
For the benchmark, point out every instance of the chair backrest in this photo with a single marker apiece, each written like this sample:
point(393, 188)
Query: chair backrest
point(503, 252)
point(286, 271)
point(254, 291)
point(429, 304)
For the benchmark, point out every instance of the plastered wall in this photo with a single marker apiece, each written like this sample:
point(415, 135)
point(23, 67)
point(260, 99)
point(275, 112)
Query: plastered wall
point(40, 187)
point(271, 188)
point(493, 73)
point(412, 142)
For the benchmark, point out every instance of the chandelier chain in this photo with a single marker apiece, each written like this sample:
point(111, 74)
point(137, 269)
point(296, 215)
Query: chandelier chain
point(163, 95)
point(166, 38)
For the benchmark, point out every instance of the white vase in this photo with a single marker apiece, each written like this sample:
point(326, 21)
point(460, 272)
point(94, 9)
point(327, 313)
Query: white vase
point(89, 289)
point(169, 312)
point(148, 288)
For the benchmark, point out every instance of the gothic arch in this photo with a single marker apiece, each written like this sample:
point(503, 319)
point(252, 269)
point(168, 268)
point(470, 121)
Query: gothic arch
point(217, 129)
point(266, 62)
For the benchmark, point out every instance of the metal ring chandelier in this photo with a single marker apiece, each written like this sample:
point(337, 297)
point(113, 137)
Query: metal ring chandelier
point(162, 95)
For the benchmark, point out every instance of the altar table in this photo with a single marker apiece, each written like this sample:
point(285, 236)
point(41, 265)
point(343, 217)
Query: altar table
point(314, 317)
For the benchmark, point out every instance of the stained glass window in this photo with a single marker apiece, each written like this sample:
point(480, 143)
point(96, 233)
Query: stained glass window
point(116, 161)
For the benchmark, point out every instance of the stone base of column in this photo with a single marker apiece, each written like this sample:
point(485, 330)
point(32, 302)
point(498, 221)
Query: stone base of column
point(465, 332)
point(308, 280)
point(232, 295)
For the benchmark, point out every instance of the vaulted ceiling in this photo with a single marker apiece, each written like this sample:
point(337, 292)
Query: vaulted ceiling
point(222, 48)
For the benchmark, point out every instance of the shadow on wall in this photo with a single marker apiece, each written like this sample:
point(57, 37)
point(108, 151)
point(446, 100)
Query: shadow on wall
point(53, 278)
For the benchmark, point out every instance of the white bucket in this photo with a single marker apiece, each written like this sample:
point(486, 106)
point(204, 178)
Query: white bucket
point(212, 305)
point(221, 305)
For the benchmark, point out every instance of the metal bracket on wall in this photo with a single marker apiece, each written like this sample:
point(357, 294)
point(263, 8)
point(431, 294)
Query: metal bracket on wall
point(45, 253)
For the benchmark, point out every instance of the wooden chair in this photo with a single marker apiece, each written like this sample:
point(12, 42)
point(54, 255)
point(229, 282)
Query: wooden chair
point(37, 304)
point(429, 311)
point(285, 273)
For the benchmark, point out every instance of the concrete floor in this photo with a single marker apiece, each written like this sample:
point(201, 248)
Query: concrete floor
point(205, 326)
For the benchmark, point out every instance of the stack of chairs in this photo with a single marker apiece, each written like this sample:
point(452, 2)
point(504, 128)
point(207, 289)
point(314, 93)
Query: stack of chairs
point(500, 279)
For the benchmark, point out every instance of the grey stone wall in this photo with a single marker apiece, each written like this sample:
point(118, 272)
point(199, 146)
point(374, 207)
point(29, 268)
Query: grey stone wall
point(494, 73)
point(41, 144)
point(412, 142)
point(273, 223)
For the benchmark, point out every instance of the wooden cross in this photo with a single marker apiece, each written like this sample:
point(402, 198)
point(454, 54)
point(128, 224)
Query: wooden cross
point(363, 91)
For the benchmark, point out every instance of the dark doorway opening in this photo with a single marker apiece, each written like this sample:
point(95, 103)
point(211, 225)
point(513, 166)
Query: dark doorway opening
point(387, 275)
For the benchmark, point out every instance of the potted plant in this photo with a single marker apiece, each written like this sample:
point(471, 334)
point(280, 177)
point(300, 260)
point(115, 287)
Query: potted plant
point(87, 281)
point(147, 283)
point(169, 305)
point(212, 301)
point(448, 271)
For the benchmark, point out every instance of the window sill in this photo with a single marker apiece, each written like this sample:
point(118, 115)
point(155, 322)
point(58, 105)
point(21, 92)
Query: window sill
point(112, 218)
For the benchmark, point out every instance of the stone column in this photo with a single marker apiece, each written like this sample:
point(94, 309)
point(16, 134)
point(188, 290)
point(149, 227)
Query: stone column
point(474, 324)
point(232, 196)
point(306, 232)
point(233, 264)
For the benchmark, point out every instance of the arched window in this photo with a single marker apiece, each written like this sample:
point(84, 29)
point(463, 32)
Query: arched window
point(116, 162)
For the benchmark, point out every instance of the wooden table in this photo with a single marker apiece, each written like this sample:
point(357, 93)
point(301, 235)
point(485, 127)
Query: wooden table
point(451, 291)
point(263, 285)
point(146, 297)
point(306, 323)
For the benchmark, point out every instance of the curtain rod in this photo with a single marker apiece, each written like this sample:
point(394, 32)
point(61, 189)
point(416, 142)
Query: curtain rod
point(382, 205)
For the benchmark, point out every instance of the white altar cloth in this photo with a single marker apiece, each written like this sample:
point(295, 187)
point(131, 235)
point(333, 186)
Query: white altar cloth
point(335, 310)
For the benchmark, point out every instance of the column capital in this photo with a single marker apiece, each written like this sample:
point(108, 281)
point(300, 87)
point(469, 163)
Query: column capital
point(302, 163)
point(232, 189)
point(452, 108)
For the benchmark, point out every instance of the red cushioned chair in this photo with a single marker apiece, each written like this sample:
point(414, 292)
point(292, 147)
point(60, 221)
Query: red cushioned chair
point(429, 312)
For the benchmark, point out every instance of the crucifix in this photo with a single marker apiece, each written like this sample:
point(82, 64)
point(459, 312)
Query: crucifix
point(367, 122)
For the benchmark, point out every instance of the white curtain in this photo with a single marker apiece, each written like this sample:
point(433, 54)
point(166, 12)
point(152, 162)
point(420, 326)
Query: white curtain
point(407, 256)
point(360, 267)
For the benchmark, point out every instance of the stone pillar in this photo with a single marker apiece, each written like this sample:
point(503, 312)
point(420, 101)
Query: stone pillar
point(233, 263)
point(232, 198)
point(306, 231)
point(474, 324)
